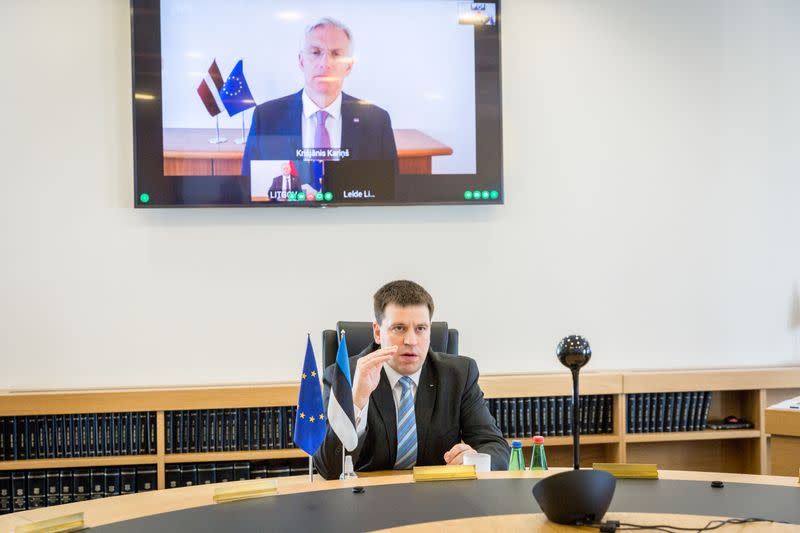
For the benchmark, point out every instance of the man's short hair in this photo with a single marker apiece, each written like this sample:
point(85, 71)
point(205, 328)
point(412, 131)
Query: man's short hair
point(403, 293)
point(328, 21)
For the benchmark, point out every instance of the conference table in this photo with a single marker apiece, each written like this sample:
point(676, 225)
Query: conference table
point(392, 501)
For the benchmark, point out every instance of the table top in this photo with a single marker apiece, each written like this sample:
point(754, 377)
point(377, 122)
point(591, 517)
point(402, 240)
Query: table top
point(495, 493)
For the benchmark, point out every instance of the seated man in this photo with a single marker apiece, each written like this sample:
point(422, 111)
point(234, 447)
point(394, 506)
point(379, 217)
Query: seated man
point(413, 406)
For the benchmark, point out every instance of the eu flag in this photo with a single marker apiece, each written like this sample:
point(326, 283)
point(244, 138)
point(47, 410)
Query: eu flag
point(235, 94)
point(309, 425)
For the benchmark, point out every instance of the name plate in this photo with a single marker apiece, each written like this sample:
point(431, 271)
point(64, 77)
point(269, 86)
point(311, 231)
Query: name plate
point(444, 473)
point(61, 524)
point(629, 470)
point(256, 488)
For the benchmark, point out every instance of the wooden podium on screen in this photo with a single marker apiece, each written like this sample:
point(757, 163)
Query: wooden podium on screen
point(187, 152)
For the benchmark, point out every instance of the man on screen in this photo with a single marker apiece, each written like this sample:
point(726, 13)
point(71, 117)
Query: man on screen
point(413, 406)
point(321, 116)
point(285, 183)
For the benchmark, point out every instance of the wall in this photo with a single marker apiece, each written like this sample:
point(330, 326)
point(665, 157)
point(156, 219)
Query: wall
point(651, 171)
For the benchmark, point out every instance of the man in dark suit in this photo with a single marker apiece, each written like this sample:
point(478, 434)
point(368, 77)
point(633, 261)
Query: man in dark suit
point(412, 406)
point(321, 116)
point(285, 183)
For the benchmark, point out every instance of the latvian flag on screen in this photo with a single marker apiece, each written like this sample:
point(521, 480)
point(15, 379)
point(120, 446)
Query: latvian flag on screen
point(341, 415)
point(205, 91)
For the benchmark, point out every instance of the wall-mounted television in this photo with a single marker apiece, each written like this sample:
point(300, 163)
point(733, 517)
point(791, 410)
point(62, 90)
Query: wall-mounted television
point(313, 103)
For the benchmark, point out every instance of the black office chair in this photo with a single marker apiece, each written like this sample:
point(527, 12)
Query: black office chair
point(359, 334)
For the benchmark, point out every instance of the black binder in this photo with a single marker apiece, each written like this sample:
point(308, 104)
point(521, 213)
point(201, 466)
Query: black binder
point(544, 430)
point(244, 432)
point(82, 484)
point(179, 432)
point(98, 483)
point(678, 412)
point(706, 408)
point(146, 478)
point(19, 492)
point(631, 414)
point(230, 432)
point(3, 456)
point(37, 489)
point(188, 475)
point(258, 470)
point(127, 480)
point(151, 432)
point(193, 425)
point(265, 437)
point(646, 413)
point(241, 471)
point(685, 415)
point(124, 434)
point(5, 492)
point(11, 438)
point(255, 428)
point(592, 418)
point(220, 430)
point(205, 431)
point(169, 433)
point(601, 414)
point(67, 486)
point(112, 482)
point(135, 441)
point(698, 410)
point(529, 418)
point(116, 433)
point(172, 476)
point(559, 425)
point(144, 434)
point(53, 489)
point(224, 472)
point(206, 473)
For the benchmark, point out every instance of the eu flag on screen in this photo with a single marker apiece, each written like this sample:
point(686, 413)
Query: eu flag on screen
point(235, 94)
point(309, 424)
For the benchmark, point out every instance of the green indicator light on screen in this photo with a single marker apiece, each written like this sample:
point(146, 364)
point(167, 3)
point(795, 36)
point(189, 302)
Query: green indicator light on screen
point(476, 195)
point(328, 196)
point(301, 196)
point(467, 195)
point(494, 195)
point(291, 196)
point(320, 196)
point(144, 197)
point(485, 195)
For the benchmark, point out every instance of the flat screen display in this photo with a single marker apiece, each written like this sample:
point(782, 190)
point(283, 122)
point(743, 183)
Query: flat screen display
point(309, 103)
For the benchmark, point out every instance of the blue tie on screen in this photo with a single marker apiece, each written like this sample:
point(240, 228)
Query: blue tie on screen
point(406, 428)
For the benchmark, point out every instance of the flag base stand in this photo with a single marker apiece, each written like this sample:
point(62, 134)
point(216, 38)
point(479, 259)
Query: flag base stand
point(218, 140)
point(240, 141)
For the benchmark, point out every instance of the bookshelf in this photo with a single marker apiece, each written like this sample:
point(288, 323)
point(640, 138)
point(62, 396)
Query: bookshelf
point(744, 392)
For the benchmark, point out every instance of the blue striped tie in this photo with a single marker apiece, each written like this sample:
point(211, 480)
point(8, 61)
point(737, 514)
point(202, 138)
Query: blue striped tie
point(406, 428)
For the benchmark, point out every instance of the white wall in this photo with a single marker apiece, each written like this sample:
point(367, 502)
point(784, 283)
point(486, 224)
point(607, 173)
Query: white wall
point(652, 190)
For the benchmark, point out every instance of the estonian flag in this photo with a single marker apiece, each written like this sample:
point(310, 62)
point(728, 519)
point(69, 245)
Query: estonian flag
point(309, 424)
point(341, 415)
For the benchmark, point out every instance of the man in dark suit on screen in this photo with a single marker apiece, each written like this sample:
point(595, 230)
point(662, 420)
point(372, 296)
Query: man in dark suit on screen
point(321, 116)
point(413, 406)
point(287, 182)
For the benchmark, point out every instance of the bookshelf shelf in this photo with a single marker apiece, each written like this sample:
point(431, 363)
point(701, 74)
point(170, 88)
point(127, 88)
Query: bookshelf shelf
point(567, 441)
point(253, 455)
point(708, 434)
point(79, 462)
point(742, 392)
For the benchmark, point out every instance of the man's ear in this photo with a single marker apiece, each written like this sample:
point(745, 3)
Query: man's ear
point(376, 332)
point(300, 60)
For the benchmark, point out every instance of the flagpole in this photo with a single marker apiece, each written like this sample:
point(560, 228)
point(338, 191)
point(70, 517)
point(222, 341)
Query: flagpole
point(310, 469)
point(242, 139)
point(341, 340)
point(218, 139)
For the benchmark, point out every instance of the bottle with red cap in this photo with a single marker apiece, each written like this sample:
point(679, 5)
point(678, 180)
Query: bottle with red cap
point(538, 459)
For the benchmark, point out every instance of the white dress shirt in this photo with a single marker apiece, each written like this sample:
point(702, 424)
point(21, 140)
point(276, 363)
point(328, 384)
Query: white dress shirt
point(397, 392)
point(333, 124)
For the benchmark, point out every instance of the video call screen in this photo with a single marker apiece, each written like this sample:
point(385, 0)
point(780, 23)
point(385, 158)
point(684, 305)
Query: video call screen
point(312, 103)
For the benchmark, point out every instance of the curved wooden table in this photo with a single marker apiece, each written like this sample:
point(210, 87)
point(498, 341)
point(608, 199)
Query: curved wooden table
point(111, 510)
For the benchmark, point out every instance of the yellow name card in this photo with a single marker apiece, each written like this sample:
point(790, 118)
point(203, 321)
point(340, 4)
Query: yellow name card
point(61, 524)
point(256, 488)
point(444, 473)
point(629, 470)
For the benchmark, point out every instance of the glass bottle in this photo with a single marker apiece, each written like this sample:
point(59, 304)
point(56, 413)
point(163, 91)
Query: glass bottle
point(538, 459)
point(516, 462)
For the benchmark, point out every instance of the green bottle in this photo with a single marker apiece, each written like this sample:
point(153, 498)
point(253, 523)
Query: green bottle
point(538, 459)
point(516, 462)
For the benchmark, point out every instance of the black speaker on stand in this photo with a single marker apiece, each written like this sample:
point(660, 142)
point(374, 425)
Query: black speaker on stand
point(579, 496)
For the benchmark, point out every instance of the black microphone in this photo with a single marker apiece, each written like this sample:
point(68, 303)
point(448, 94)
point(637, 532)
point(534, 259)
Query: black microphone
point(576, 496)
point(574, 352)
